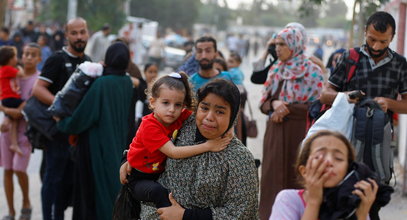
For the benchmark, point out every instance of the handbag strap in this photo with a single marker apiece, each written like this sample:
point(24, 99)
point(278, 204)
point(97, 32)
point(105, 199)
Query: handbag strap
point(250, 109)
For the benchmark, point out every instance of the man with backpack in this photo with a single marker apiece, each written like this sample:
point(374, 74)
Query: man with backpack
point(56, 192)
point(380, 75)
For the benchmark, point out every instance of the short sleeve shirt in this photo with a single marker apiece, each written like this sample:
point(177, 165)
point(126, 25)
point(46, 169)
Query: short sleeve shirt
point(56, 69)
point(387, 80)
point(8, 82)
point(144, 154)
point(198, 81)
point(289, 205)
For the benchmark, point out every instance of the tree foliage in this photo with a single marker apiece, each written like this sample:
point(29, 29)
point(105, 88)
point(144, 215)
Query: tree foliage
point(212, 13)
point(169, 13)
point(96, 12)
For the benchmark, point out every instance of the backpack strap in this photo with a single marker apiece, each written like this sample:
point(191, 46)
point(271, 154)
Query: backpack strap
point(352, 62)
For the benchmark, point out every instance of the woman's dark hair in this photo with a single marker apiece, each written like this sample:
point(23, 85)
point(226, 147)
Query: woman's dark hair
point(6, 54)
point(380, 21)
point(181, 84)
point(207, 39)
point(117, 59)
point(221, 62)
point(305, 151)
point(226, 90)
point(148, 66)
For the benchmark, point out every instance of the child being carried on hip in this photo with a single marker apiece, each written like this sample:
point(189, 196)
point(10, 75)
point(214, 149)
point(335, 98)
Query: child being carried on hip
point(170, 100)
point(9, 89)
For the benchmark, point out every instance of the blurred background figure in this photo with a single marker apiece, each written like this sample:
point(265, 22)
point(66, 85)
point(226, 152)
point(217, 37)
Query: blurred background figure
point(98, 44)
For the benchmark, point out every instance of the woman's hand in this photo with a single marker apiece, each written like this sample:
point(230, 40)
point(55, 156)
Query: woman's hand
point(280, 111)
point(174, 212)
point(125, 170)
point(366, 190)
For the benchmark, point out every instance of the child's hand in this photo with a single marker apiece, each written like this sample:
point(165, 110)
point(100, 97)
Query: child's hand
point(315, 178)
point(125, 170)
point(5, 125)
point(220, 143)
point(20, 72)
point(366, 190)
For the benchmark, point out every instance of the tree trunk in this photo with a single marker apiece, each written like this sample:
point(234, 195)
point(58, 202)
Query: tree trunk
point(361, 24)
point(3, 8)
point(351, 33)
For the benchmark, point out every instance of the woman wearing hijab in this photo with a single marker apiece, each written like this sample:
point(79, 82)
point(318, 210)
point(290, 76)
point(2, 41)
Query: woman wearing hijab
point(101, 121)
point(292, 84)
point(222, 185)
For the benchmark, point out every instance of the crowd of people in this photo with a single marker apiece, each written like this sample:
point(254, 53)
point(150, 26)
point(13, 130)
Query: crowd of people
point(177, 142)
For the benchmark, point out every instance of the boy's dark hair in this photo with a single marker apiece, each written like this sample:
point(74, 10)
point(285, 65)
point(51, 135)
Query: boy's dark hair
point(6, 53)
point(181, 84)
point(236, 56)
point(206, 39)
point(226, 90)
point(380, 21)
point(34, 45)
point(5, 30)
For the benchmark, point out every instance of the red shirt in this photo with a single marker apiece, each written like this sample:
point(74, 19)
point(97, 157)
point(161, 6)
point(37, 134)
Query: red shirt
point(144, 154)
point(8, 82)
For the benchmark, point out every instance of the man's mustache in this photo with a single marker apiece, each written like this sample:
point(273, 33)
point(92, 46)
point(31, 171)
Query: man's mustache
point(79, 41)
point(204, 59)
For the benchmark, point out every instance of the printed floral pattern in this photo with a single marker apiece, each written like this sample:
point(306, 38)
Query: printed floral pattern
point(226, 181)
point(302, 79)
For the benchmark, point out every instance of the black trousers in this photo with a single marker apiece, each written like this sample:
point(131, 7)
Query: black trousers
point(145, 188)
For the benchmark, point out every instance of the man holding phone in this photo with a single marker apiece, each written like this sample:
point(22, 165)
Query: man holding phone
point(381, 74)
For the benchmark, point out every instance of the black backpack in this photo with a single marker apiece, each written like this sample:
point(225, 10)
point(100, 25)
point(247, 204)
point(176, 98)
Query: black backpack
point(372, 134)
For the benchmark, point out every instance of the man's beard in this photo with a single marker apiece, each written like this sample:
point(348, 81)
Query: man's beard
point(375, 53)
point(206, 66)
point(78, 49)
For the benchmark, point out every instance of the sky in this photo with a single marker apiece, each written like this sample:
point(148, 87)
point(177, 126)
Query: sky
point(235, 3)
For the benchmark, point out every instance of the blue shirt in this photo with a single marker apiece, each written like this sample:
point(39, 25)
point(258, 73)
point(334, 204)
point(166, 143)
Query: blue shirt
point(198, 81)
point(5, 42)
point(237, 75)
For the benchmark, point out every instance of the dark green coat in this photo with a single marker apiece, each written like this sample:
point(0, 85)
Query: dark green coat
point(102, 116)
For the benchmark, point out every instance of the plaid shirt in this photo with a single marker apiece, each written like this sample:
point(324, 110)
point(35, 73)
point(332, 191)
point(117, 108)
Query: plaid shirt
point(387, 78)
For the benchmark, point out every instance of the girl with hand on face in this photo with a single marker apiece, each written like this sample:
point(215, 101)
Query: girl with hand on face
point(325, 165)
point(170, 98)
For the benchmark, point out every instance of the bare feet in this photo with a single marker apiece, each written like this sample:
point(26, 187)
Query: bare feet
point(16, 148)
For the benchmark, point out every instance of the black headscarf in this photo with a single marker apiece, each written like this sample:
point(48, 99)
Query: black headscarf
point(116, 59)
point(225, 89)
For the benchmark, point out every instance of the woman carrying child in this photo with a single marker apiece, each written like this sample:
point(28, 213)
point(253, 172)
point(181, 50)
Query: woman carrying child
point(211, 185)
point(101, 120)
point(170, 99)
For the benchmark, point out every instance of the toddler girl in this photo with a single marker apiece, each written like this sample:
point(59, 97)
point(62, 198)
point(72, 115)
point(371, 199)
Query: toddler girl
point(9, 89)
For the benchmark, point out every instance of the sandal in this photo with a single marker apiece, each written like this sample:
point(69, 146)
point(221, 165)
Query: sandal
point(25, 214)
point(8, 217)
